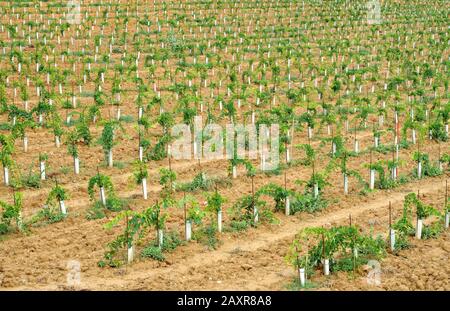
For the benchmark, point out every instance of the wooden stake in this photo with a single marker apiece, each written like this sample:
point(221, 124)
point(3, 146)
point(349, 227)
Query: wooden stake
point(446, 195)
point(253, 187)
point(184, 206)
point(390, 216)
point(323, 246)
point(170, 164)
point(253, 193)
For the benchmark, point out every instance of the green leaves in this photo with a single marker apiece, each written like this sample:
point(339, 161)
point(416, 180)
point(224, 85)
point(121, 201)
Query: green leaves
point(101, 181)
point(336, 244)
point(7, 149)
point(159, 150)
point(404, 226)
point(307, 203)
point(137, 225)
point(195, 214)
point(72, 141)
point(43, 157)
point(153, 216)
point(201, 181)
point(83, 130)
point(11, 212)
point(107, 137)
point(166, 121)
point(140, 171)
point(57, 193)
point(307, 118)
point(43, 108)
point(153, 252)
point(193, 209)
point(278, 193)
point(55, 123)
point(214, 202)
point(48, 215)
point(427, 168)
point(422, 210)
point(243, 209)
point(167, 178)
point(19, 129)
point(309, 152)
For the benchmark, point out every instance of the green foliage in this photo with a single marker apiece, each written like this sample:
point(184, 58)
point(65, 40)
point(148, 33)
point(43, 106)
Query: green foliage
point(427, 168)
point(214, 202)
point(171, 241)
point(166, 121)
point(310, 154)
point(195, 213)
point(137, 225)
point(308, 117)
point(7, 149)
point(404, 227)
point(19, 129)
point(100, 180)
point(153, 252)
point(238, 225)
point(337, 244)
point(437, 130)
point(119, 164)
point(251, 171)
point(340, 147)
point(56, 194)
point(113, 248)
point(48, 215)
point(207, 235)
point(445, 158)
point(11, 213)
point(96, 212)
point(159, 150)
point(113, 203)
point(140, 171)
point(433, 230)
point(107, 137)
point(422, 210)
point(72, 140)
point(200, 182)
point(28, 180)
point(277, 193)
point(83, 131)
point(126, 119)
point(167, 178)
point(43, 157)
point(307, 203)
point(134, 224)
point(243, 209)
point(347, 264)
point(93, 111)
point(384, 182)
point(152, 216)
point(318, 178)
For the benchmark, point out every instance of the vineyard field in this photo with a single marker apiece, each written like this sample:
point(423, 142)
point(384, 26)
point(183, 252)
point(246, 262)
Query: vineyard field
point(281, 145)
